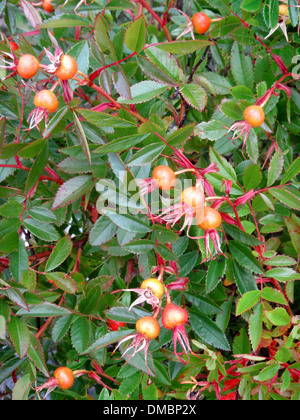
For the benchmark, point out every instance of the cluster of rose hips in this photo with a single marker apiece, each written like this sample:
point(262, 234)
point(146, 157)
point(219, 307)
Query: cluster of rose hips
point(173, 318)
point(63, 66)
point(192, 205)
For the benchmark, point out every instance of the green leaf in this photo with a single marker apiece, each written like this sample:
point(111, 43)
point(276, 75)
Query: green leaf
point(292, 171)
point(273, 295)
point(19, 262)
point(82, 138)
point(107, 339)
point(275, 168)
point(72, 190)
point(241, 67)
point(278, 317)
point(239, 235)
point(147, 155)
point(19, 335)
point(140, 246)
point(215, 274)
point(22, 388)
point(252, 177)
point(62, 281)
point(36, 354)
point(293, 11)
point(194, 95)
point(130, 384)
point(283, 274)
point(44, 231)
point(65, 21)
point(255, 326)
point(183, 47)
point(103, 120)
point(144, 92)
point(212, 130)
point(123, 143)
point(61, 327)
point(135, 37)
point(267, 373)
point(225, 26)
point(2, 132)
point(44, 310)
point(251, 5)
point(41, 214)
point(280, 260)
point(226, 169)
point(287, 197)
point(271, 13)
point(2, 327)
point(54, 121)
point(244, 257)
point(294, 230)
point(80, 334)
point(242, 92)
point(244, 36)
point(102, 231)
point(247, 301)
point(129, 223)
point(155, 72)
point(38, 167)
point(102, 37)
point(59, 254)
point(208, 331)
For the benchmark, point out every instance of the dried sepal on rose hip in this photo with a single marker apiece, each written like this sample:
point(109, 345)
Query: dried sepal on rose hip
point(210, 221)
point(254, 117)
point(284, 20)
point(150, 291)
point(175, 318)
point(191, 204)
point(148, 329)
point(63, 378)
point(46, 103)
point(163, 177)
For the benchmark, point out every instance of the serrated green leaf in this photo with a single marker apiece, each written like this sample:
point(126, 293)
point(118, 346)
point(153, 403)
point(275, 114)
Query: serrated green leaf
point(215, 274)
point(255, 326)
point(247, 301)
point(208, 331)
point(62, 250)
point(65, 21)
point(62, 281)
point(278, 317)
point(72, 190)
point(44, 231)
point(292, 171)
point(273, 295)
point(80, 334)
point(144, 92)
point(275, 168)
point(244, 257)
point(19, 335)
point(44, 310)
point(135, 37)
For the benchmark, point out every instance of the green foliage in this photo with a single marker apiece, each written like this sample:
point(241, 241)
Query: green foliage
point(82, 222)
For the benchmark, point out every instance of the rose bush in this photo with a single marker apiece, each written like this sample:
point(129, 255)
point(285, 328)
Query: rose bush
point(149, 200)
